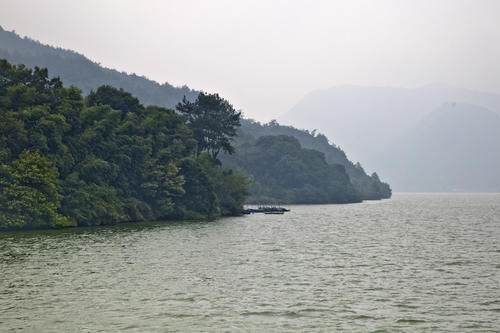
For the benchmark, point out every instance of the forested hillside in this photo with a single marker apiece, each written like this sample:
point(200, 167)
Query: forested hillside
point(282, 171)
point(75, 69)
point(367, 187)
point(66, 160)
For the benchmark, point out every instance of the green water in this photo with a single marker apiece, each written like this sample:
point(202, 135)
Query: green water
point(417, 262)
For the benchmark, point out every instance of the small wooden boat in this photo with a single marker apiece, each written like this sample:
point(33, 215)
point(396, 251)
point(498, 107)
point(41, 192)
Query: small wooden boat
point(266, 210)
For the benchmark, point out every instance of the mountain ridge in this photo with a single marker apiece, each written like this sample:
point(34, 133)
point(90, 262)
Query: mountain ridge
point(76, 69)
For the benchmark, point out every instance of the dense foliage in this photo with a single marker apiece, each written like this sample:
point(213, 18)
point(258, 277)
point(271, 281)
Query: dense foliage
point(283, 171)
point(67, 160)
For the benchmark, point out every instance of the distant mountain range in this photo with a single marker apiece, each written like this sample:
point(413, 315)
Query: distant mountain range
point(455, 148)
point(75, 69)
point(425, 139)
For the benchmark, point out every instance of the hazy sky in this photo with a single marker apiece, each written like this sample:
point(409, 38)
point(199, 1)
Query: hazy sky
point(264, 56)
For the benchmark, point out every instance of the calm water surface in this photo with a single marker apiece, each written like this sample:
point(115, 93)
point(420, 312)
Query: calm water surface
point(417, 262)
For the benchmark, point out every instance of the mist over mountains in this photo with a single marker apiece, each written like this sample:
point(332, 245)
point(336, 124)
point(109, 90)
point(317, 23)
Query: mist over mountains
point(432, 138)
point(455, 148)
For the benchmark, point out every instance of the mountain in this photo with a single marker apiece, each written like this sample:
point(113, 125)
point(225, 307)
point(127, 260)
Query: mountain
point(368, 120)
point(365, 119)
point(455, 148)
point(75, 69)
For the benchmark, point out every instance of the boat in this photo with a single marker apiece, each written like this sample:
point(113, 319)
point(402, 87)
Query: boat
point(266, 210)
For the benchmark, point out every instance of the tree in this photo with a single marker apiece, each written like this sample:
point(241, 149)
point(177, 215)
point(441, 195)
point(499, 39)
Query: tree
point(213, 121)
point(28, 194)
point(231, 190)
point(118, 99)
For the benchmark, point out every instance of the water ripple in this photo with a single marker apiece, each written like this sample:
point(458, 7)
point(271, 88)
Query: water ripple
point(414, 263)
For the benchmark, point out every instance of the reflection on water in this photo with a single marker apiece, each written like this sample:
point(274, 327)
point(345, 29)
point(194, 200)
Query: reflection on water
point(418, 262)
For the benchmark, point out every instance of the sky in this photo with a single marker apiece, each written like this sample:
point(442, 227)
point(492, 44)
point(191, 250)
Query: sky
point(264, 56)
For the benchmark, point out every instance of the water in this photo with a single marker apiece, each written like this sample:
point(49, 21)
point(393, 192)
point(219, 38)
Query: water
point(417, 262)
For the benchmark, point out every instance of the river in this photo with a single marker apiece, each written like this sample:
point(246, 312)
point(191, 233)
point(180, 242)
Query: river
point(417, 262)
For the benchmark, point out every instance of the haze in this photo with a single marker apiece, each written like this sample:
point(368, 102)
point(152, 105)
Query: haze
point(265, 55)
